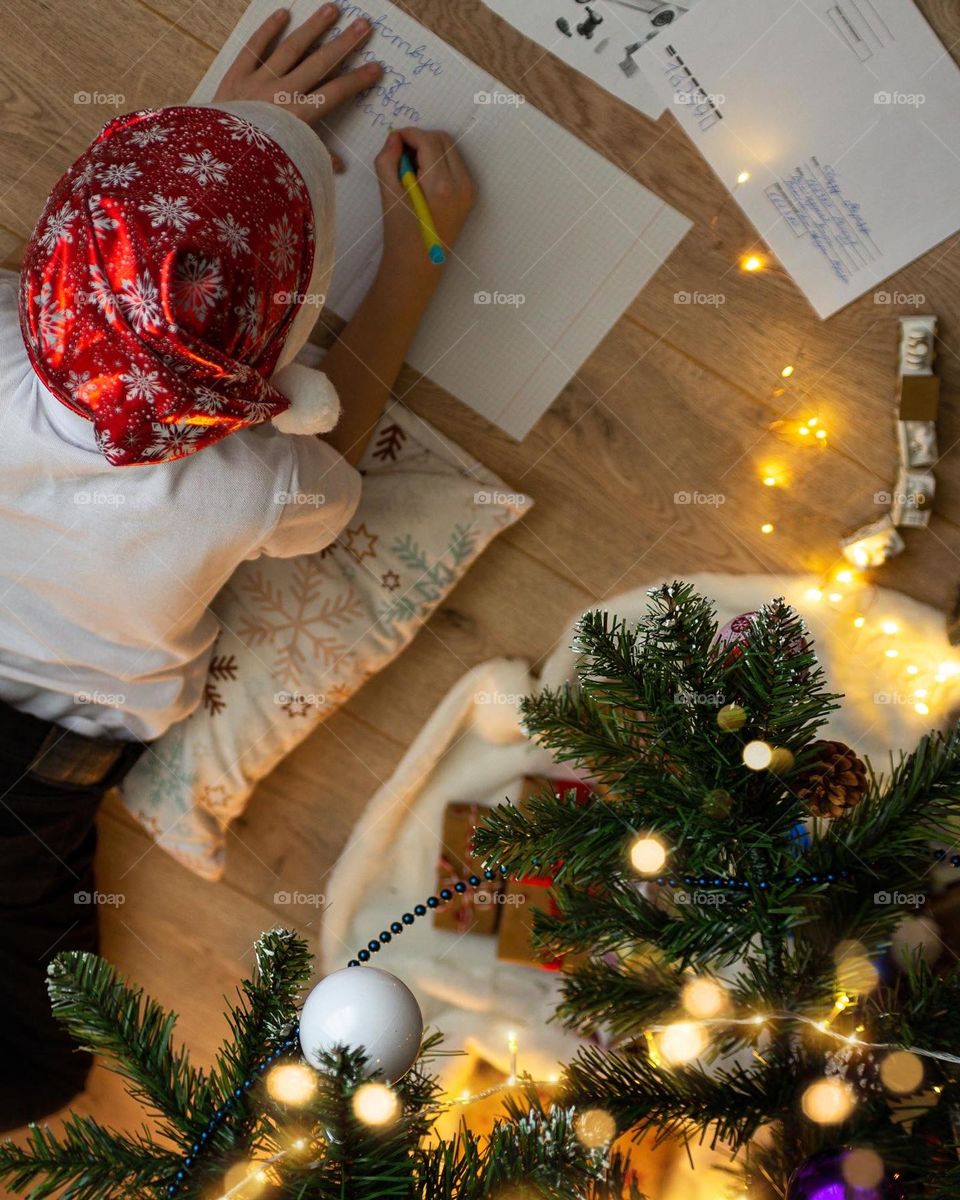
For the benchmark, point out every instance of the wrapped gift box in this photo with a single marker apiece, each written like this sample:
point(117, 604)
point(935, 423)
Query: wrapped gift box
point(476, 910)
point(524, 897)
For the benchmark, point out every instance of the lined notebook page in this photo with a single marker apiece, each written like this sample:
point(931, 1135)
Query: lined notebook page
point(558, 246)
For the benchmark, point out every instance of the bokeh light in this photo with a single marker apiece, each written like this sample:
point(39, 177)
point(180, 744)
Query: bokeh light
point(682, 1042)
point(375, 1104)
point(862, 1168)
point(595, 1128)
point(757, 755)
point(901, 1072)
point(291, 1083)
point(827, 1102)
point(647, 855)
point(702, 998)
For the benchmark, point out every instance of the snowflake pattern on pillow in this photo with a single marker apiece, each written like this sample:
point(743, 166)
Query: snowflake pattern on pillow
point(300, 635)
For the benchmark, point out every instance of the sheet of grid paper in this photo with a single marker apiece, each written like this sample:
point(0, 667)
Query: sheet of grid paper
point(558, 246)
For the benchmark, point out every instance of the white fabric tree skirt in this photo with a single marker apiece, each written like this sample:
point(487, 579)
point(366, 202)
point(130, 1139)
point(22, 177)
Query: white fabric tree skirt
point(472, 750)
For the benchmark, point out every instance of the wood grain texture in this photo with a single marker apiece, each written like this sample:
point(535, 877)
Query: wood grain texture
point(678, 399)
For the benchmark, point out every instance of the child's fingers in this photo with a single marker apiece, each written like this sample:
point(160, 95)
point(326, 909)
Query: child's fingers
point(433, 171)
point(351, 83)
point(292, 49)
point(387, 166)
point(319, 65)
point(253, 53)
point(427, 145)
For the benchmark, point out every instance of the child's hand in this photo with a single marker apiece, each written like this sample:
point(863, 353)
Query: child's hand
point(449, 191)
point(294, 77)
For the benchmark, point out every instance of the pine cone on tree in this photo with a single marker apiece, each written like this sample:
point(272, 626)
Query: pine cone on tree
point(855, 1066)
point(836, 783)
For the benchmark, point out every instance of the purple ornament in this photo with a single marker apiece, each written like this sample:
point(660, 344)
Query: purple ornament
point(822, 1177)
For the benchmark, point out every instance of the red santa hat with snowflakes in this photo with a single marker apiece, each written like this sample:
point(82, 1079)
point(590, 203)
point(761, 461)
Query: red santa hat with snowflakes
point(175, 272)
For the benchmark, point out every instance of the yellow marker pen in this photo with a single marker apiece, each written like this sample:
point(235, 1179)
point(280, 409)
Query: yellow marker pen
point(431, 239)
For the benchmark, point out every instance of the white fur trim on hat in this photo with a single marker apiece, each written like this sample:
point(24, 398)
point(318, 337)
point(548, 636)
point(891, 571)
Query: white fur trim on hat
point(314, 404)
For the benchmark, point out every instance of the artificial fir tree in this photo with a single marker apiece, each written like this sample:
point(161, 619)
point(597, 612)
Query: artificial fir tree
point(773, 912)
point(224, 1132)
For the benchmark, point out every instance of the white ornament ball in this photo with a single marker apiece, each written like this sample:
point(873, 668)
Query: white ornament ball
point(363, 1007)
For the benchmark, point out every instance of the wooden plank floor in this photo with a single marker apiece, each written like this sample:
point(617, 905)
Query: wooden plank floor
point(678, 398)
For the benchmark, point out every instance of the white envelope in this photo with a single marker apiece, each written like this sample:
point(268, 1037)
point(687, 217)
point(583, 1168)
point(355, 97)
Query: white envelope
point(845, 113)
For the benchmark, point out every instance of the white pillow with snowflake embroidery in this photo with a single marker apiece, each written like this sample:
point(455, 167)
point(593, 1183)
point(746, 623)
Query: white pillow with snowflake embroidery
point(300, 635)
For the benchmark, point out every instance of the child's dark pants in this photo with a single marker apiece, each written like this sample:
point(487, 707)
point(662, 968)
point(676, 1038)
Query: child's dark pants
point(51, 784)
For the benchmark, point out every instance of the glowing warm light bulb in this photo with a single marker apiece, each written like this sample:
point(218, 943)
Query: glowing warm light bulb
point(769, 481)
point(892, 653)
point(920, 693)
point(752, 263)
point(949, 669)
point(813, 421)
point(912, 670)
point(767, 527)
point(901, 1072)
point(647, 855)
point(594, 1128)
point(375, 1104)
point(889, 627)
point(845, 576)
point(827, 1102)
point(921, 708)
point(682, 1042)
point(814, 594)
point(787, 372)
point(836, 597)
point(757, 755)
point(859, 622)
point(821, 435)
point(803, 431)
point(291, 1083)
point(860, 556)
point(702, 998)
